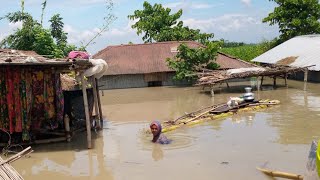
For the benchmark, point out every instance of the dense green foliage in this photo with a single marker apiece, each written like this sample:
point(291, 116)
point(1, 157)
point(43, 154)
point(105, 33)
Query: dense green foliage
point(159, 24)
point(190, 60)
point(50, 41)
point(33, 36)
point(295, 17)
point(247, 52)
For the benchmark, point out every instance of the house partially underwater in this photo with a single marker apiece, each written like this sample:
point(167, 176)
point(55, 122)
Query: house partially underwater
point(300, 51)
point(31, 93)
point(144, 65)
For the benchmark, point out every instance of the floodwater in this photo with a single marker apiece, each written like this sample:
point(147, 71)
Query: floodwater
point(277, 138)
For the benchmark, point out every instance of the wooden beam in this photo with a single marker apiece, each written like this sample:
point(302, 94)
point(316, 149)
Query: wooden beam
point(281, 174)
point(99, 103)
point(67, 127)
point(305, 79)
point(95, 99)
point(212, 91)
point(258, 84)
point(86, 109)
point(227, 84)
point(285, 79)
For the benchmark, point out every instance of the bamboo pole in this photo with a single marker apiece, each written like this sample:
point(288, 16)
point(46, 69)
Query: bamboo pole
point(257, 82)
point(286, 79)
point(95, 99)
point(281, 174)
point(7, 172)
point(192, 119)
point(261, 81)
point(99, 102)
point(66, 120)
point(86, 109)
point(305, 79)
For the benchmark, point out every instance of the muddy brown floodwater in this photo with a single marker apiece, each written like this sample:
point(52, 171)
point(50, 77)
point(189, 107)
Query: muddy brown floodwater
point(230, 148)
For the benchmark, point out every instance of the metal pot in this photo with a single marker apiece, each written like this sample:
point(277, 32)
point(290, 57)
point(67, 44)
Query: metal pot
point(248, 96)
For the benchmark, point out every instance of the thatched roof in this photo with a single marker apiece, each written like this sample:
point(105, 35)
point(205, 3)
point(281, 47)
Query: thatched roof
point(213, 77)
point(10, 57)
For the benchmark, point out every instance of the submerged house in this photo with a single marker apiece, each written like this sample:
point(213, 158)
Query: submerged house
point(31, 97)
point(300, 51)
point(144, 65)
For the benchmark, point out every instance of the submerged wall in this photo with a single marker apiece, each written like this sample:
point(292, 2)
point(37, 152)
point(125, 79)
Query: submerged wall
point(139, 80)
point(313, 76)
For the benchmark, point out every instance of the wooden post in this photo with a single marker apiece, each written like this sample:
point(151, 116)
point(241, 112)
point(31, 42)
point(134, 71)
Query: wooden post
point(99, 103)
point(274, 81)
point(86, 109)
point(305, 79)
point(285, 80)
point(95, 99)
point(227, 84)
point(212, 91)
point(261, 82)
point(258, 84)
point(66, 120)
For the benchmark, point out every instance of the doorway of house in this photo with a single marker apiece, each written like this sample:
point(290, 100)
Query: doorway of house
point(154, 83)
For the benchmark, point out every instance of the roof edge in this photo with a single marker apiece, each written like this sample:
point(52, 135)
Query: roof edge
point(147, 44)
point(238, 59)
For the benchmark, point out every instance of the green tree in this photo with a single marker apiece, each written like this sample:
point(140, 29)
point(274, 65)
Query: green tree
point(295, 17)
point(57, 29)
point(157, 23)
point(191, 60)
point(45, 41)
point(44, 5)
point(32, 36)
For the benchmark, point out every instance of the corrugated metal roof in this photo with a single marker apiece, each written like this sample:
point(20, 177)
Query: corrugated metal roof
point(228, 62)
point(150, 58)
point(304, 49)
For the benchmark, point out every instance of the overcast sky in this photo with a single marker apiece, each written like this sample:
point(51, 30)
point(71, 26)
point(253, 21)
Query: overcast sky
point(233, 20)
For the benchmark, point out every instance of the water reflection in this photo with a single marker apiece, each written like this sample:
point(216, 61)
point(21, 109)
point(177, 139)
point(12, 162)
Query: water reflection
point(157, 153)
point(306, 99)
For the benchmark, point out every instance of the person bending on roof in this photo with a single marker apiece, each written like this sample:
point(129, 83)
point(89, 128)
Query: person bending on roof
point(156, 129)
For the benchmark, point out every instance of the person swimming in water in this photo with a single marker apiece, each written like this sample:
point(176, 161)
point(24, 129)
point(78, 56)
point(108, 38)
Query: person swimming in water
point(156, 129)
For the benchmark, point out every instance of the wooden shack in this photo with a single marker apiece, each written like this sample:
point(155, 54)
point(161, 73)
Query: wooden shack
point(31, 97)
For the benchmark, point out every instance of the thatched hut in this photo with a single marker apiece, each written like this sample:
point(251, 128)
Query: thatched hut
point(31, 96)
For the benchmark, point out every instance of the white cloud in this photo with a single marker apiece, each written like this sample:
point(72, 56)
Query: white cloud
point(187, 4)
point(14, 26)
point(112, 37)
point(9, 28)
point(234, 27)
point(225, 23)
point(173, 5)
point(69, 2)
point(246, 2)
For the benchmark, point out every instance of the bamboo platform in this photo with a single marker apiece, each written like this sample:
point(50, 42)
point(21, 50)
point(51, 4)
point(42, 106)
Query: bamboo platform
point(215, 112)
point(7, 172)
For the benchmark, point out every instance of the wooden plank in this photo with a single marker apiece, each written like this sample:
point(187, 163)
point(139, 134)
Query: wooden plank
point(95, 100)
point(99, 102)
point(86, 108)
point(281, 174)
